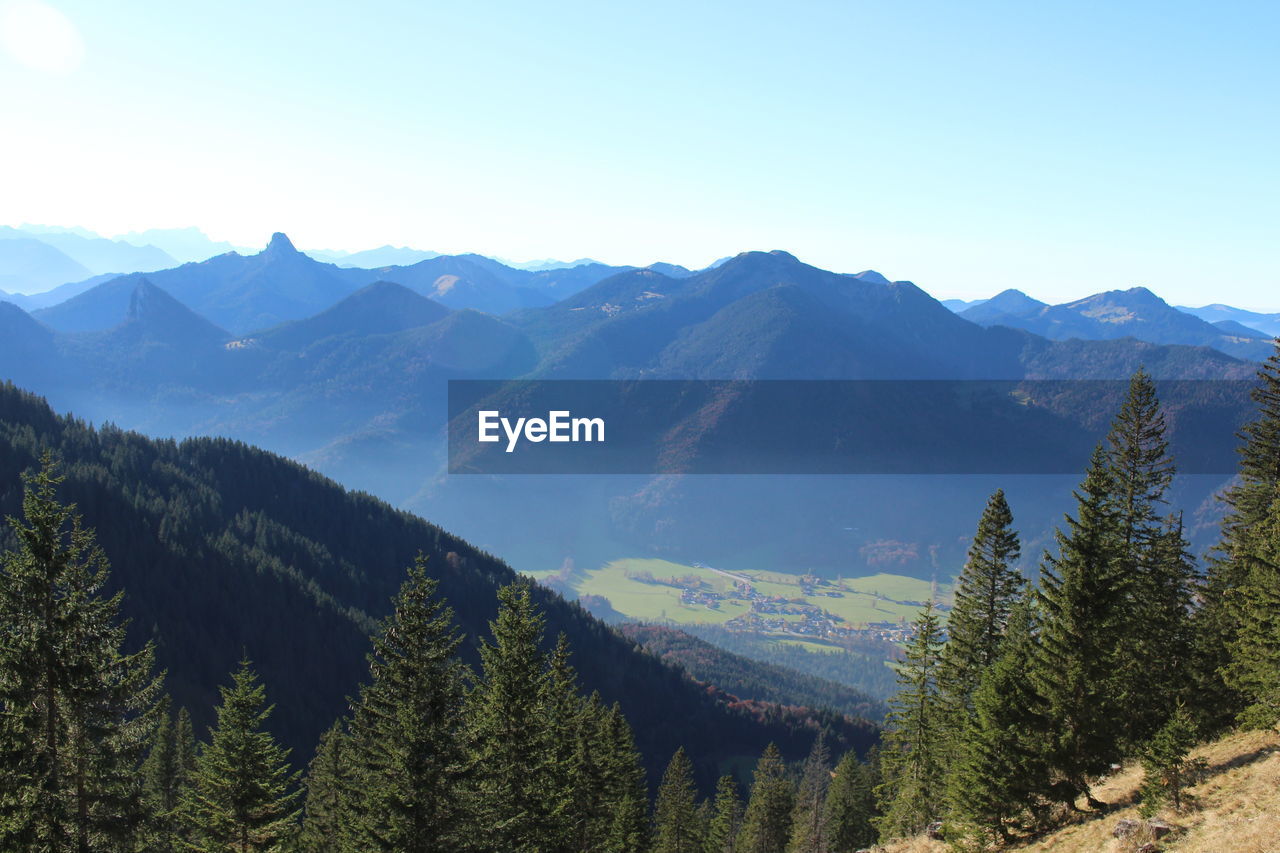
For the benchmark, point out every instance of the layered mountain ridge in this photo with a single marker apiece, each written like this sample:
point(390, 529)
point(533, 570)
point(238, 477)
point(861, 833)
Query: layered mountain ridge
point(1136, 313)
point(356, 383)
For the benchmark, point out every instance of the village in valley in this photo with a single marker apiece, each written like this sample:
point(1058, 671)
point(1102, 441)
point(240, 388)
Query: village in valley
point(802, 608)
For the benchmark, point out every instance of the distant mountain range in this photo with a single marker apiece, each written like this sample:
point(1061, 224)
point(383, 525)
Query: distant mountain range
point(383, 256)
point(1136, 313)
point(959, 305)
point(29, 265)
point(1225, 314)
point(346, 369)
point(236, 292)
point(183, 244)
point(36, 259)
point(766, 315)
point(246, 293)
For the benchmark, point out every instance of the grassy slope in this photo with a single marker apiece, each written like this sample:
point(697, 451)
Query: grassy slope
point(1236, 808)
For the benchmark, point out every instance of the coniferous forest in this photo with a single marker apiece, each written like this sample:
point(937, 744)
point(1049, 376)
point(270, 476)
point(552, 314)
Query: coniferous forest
point(1121, 650)
point(1006, 715)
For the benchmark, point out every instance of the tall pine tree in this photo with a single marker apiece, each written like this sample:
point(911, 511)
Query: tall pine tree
point(1081, 600)
point(76, 711)
point(1152, 671)
point(407, 728)
point(166, 774)
point(330, 805)
point(985, 593)
point(570, 769)
point(240, 799)
point(677, 825)
point(626, 794)
point(726, 817)
point(912, 759)
point(511, 743)
point(851, 806)
point(1239, 625)
point(809, 818)
point(999, 780)
point(766, 825)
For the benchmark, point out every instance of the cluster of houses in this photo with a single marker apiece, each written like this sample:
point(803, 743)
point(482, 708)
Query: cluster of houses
point(819, 626)
point(777, 614)
point(769, 613)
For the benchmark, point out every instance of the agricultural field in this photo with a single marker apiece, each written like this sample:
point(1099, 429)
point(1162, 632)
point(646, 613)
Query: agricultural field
point(818, 610)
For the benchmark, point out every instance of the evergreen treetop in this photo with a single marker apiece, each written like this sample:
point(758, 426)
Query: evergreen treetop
point(242, 796)
point(766, 824)
point(985, 592)
point(677, 827)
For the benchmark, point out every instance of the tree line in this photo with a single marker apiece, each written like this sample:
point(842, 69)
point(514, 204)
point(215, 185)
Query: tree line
point(1121, 650)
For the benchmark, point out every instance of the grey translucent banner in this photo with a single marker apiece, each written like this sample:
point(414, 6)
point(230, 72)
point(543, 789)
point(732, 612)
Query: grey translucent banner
point(822, 427)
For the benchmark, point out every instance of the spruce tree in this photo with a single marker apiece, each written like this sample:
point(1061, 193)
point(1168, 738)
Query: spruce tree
point(329, 810)
point(240, 798)
point(726, 817)
point(1151, 671)
point(589, 812)
point(1166, 768)
point(1239, 625)
point(766, 824)
point(570, 770)
point(1081, 602)
point(850, 806)
point(407, 728)
point(1167, 610)
point(165, 776)
point(607, 788)
point(809, 818)
point(677, 826)
point(184, 740)
point(627, 832)
point(1254, 664)
point(912, 759)
point(76, 712)
point(511, 744)
point(985, 593)
point(625, 793)
point(1000, 776)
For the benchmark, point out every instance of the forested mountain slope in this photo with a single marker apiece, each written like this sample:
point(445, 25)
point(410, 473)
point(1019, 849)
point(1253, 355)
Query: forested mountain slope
point(225, 550)
point(746, 678)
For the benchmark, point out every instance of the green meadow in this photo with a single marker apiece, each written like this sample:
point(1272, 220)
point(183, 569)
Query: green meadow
point(855, 601)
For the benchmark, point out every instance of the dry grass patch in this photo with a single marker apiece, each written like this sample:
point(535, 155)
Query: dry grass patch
point(919, 844)
point(1236, 809)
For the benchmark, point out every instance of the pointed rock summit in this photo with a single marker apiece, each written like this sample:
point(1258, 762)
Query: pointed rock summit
point(146, 299)
point(280, 245)
point(154, 314)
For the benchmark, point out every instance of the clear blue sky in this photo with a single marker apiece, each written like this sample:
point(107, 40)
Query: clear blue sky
point(1062, 148)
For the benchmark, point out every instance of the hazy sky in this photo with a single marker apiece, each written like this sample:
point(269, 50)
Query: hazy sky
point(1062, 148)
